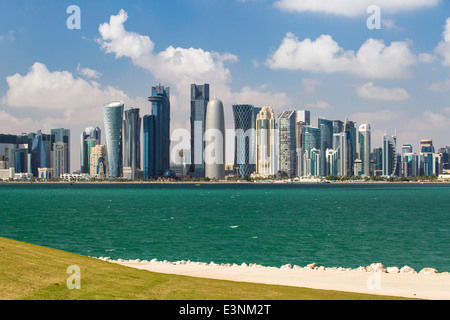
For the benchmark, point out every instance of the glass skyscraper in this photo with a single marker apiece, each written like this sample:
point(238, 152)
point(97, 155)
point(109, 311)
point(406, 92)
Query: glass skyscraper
point(89, 132)
point(199, 105)
point(132, 141)
point(326, 142)
point(157, 134)
point(113, 117)
point(287, 122)
point(311, 147)
point(245, 137)
point(389, 155)
point(61, 135)
point(364, 148)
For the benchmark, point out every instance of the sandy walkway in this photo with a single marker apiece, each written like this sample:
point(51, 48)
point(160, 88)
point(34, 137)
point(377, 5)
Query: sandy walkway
point(424, 286)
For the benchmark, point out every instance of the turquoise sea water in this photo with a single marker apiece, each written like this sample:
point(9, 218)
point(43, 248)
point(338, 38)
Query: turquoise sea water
point(334, 225)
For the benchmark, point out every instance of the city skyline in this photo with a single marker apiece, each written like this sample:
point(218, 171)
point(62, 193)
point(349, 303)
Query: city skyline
point(50, 84)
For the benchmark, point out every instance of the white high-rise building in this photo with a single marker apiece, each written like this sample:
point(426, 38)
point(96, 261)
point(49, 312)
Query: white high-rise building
point(266, 143)
point(364, 148)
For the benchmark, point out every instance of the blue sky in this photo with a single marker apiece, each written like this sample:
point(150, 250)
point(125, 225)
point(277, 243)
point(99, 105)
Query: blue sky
point(302, 54)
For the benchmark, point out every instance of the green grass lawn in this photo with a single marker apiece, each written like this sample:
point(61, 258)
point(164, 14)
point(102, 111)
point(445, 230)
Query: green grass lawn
point(30, 272)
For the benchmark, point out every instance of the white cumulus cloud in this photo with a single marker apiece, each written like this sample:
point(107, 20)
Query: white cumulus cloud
point(352, 8)
point(370, 91)
point(374, 59)
point(88, 72)
point(443, 48)
point(56, 90)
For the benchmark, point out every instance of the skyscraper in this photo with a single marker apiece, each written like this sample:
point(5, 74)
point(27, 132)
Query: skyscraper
point(346, 149)
point(326, 142)
point(89, 132)
point(215, 140)
point(60, 159)
point(245, 137)
point(38, 155)
point(157, 133)
point(287, 122)
point(62, 135)
point(311, 149)
point(304, 116)
point(389, 155)
point(113, 117)
point(149, 146)
point(365, 148)
point(266, 143)
point(132, 141)
point(98, 163)
point(199, 104)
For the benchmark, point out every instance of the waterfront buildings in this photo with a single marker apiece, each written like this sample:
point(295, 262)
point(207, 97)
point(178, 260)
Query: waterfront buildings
point(60, 158)
point(287, 124)
point(245, 137)
point(98, 162)
point(132, 143)
point(88, 133)
point(60, 139)
point(157, 134)
point(266, 143)
point(311, 149)
point(215, 140)
point(113, 117)
point(346, 149)
point(199, 104)
point(389, 155)
point(365, 146)
point(326, 142)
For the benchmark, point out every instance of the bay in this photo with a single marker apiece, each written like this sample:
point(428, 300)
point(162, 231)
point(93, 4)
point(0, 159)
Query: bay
point(334, 225)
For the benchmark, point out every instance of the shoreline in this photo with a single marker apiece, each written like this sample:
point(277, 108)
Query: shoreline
point(229, 182)
point(374, 279)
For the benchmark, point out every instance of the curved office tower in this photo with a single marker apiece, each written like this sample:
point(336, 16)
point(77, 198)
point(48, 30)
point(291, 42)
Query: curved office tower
point(215, 140)
point(389, 155)
point(113, 117)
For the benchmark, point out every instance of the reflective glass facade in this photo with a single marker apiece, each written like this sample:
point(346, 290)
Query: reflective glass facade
point(158, 155)
point(113, 117)
point(199, 104)
point(389, 155)
point(245, 137)
point(132, 139)
point(89, 132)
point(149, 146)
point(326, 142)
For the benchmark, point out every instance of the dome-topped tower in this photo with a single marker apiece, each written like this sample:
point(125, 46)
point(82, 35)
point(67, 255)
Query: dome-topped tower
point(215, 140)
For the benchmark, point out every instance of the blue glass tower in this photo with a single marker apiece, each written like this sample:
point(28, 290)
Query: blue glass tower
point(132, 140)
point(199, 104)
point(113, 116)
point(326, 142)
point(149, 146)
point(158, 131)
point(245, 137)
